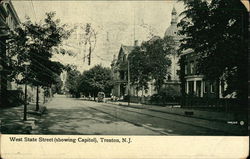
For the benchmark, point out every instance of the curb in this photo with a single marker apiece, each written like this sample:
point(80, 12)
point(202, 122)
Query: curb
point(234, 129)
point(167, 112)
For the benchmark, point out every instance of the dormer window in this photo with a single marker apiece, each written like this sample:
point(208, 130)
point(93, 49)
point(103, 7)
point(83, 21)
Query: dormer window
point(124, 58)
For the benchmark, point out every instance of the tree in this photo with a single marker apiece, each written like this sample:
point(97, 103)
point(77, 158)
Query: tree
point(32, 48)
point(150, 62)
point(216, 31)
point(139, 70)
point(72, 83)
point(57, 87)
point(97, 79)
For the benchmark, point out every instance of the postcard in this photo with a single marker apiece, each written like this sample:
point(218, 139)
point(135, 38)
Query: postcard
point(124, 79)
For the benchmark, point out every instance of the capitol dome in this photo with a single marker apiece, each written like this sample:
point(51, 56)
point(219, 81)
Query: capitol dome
point(172, 30)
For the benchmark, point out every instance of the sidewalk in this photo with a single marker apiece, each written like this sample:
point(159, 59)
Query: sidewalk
point(11, 120)
point(209, 115)
point(228, 122)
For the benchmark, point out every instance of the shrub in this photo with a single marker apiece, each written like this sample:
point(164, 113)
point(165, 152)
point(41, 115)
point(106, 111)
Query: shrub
point(165, 96)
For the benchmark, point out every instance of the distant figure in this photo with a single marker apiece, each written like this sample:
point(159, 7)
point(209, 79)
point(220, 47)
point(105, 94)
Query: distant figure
point(101, 97)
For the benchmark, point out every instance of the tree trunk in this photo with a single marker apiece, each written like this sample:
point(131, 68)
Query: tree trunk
point(37, 98)
point(50, 91)
point(44, 96)
point(90, 50)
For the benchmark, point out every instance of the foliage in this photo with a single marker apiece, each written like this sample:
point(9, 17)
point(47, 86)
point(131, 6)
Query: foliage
point(150, 62)
point(72, 84)
point(97, 79)
point(32, 47)
point(57, 87)
point(217, 31)
point(182, 76)
point(166, 95)
point(138, 71)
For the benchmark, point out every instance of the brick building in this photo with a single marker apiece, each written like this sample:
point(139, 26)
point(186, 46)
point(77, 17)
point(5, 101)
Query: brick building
point(195, 84)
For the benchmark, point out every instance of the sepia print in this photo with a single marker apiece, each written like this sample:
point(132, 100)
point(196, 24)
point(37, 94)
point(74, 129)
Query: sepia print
point(123, 68)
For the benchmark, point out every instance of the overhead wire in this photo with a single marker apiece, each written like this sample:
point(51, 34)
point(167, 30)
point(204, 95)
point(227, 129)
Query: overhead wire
point(32, 5)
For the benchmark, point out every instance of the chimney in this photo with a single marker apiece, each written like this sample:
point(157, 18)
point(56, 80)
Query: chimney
point(136, 43)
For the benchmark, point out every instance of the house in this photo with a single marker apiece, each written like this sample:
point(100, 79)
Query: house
point(10, 92)
point(195, 84)
point(198, 91)
point(8, 22)
point(120, 75)
point(120, 72)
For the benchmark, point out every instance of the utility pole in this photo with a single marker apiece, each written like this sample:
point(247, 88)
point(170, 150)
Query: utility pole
point(89, 55)
point(37, 98)
point(128, 84)
point(25, 96)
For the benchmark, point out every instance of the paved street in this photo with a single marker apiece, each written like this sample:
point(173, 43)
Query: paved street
point(73, 116)
point(76, 116)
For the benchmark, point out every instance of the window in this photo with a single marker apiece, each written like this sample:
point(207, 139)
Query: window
point(198, 88)
point(186, 69)
point(169, 77)
point(212, 87)
point(205, 84)
point(191, 87)
point(124, 58)
point(191, 67)
point(122, 75)
point(222, 87)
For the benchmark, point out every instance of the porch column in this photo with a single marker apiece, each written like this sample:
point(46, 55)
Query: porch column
point(202, 88)
point(221, 89)
point(195, 87)
point(118, 90)
point(187, 87)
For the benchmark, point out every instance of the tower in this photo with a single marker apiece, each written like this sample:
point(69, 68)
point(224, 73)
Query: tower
point(174, 16)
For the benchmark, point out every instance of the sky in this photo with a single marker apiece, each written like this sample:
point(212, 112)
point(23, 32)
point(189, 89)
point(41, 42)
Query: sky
point(116, 23)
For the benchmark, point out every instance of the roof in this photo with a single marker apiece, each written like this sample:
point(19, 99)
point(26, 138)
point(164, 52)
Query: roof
point(11, 9)
point(124, 50)
point(14, 12)
point(174, 11)
point(173, 30)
